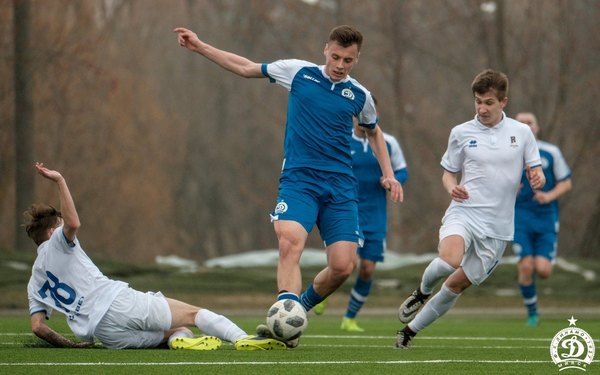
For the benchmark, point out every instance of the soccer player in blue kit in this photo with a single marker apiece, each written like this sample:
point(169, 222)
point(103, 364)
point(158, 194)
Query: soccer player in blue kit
point(372, 213)
point(536, 219)
point(317, 185)
point(490, 153)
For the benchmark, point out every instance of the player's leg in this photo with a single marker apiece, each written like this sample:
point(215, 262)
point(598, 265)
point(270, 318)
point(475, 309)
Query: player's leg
point(450, 249)
point(143, 320)
point(545, 253)
point(543, 267)
point(216, 327)
point(539, 264)
point(341, 260)
point(293, 218)
point(481, 257)
point(442, 301)
point(210, 323)
point(524, 248)
point(183, 338)
point(338, 226)
point(439, 304)
point(370, 253)
point(527, 287)
point(292, 237)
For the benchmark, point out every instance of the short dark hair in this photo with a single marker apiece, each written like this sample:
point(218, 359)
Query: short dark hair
point(40, 217)
point(491, 80)
point(346, 36)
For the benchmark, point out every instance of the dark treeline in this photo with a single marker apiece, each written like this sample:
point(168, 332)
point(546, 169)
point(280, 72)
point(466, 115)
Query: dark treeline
point(166, 153)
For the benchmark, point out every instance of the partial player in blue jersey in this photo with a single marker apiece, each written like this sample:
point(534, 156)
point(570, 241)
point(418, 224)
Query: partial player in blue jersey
point(536, 219)
point(372, 213)
point(317, 186)
point(64, 279)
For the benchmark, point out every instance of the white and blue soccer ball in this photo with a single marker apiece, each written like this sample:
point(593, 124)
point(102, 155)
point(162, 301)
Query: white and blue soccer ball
point(287, 319)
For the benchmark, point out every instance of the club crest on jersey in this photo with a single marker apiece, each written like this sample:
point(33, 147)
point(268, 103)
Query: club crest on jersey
point(347, 93)
point(545, 162)
point(281, 207)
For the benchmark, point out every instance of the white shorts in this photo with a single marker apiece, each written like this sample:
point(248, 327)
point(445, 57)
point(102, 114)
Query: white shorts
point(135, 320)
point(482, 253)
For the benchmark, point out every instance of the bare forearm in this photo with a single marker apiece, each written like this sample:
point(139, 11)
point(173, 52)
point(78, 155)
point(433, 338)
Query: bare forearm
point(230, 61)
point(449, 180)
point(377, 143)
point(56, 339)
point(561, 188)
point(68, 210)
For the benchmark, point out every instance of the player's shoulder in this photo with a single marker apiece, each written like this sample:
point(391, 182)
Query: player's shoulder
point(466, 126)
point(293, 62)
point(354, 82)
point(547, 146)
point(287, 65)
point(390, 139)
point(511, 123)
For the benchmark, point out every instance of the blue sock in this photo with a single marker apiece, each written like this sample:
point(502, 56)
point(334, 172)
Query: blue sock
point(529, 298)
point(358, 296)
point(310, 298)
point(284, 294)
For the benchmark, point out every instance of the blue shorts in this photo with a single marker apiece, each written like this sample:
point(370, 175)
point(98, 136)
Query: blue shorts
point(529, 243)
point(372, 249)
point(535, 236)
point(327, 199)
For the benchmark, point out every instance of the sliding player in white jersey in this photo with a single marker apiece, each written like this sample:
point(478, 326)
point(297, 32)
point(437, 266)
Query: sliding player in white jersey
point(65, 279)
point(317, 186)
point(490, 153)
point(536, 219)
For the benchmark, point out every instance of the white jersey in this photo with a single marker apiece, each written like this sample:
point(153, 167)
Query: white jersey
point(491, 161)
point(65, 279)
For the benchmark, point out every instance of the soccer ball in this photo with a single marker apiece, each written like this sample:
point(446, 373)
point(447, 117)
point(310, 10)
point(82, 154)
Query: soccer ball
point(287, 319)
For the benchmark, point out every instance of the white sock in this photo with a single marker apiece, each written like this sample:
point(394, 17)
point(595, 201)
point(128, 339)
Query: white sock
point(440, 303)
point(217, 325)
point(180, 333)
point(436, 270)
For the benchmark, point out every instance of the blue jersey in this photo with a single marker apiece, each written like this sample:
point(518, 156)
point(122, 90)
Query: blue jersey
point(555, 169)
point(319, 118)
point(372, 199)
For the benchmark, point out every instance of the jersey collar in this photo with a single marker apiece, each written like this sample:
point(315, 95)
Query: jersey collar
point(497, 126)
point(322, 69)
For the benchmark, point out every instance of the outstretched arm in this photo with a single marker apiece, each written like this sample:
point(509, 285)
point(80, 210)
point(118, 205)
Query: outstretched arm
point(388, 179)
point(226, 60)
point(67, 206)
point(41, 330)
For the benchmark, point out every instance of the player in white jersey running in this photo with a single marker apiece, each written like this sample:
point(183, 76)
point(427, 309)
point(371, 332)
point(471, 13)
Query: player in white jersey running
point(317, 186)
point(65, 279)
point(489, 152)
point(536, 220)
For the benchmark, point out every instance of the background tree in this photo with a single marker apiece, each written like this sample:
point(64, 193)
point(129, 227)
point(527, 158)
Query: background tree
point(168, 154)
point(24, 154)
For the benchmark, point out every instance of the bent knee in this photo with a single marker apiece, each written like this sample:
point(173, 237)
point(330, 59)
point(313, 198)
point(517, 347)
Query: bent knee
point(544, 273)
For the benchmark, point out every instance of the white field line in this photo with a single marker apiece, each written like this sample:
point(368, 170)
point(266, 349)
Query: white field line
point(271, 363)
point(362, 337)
